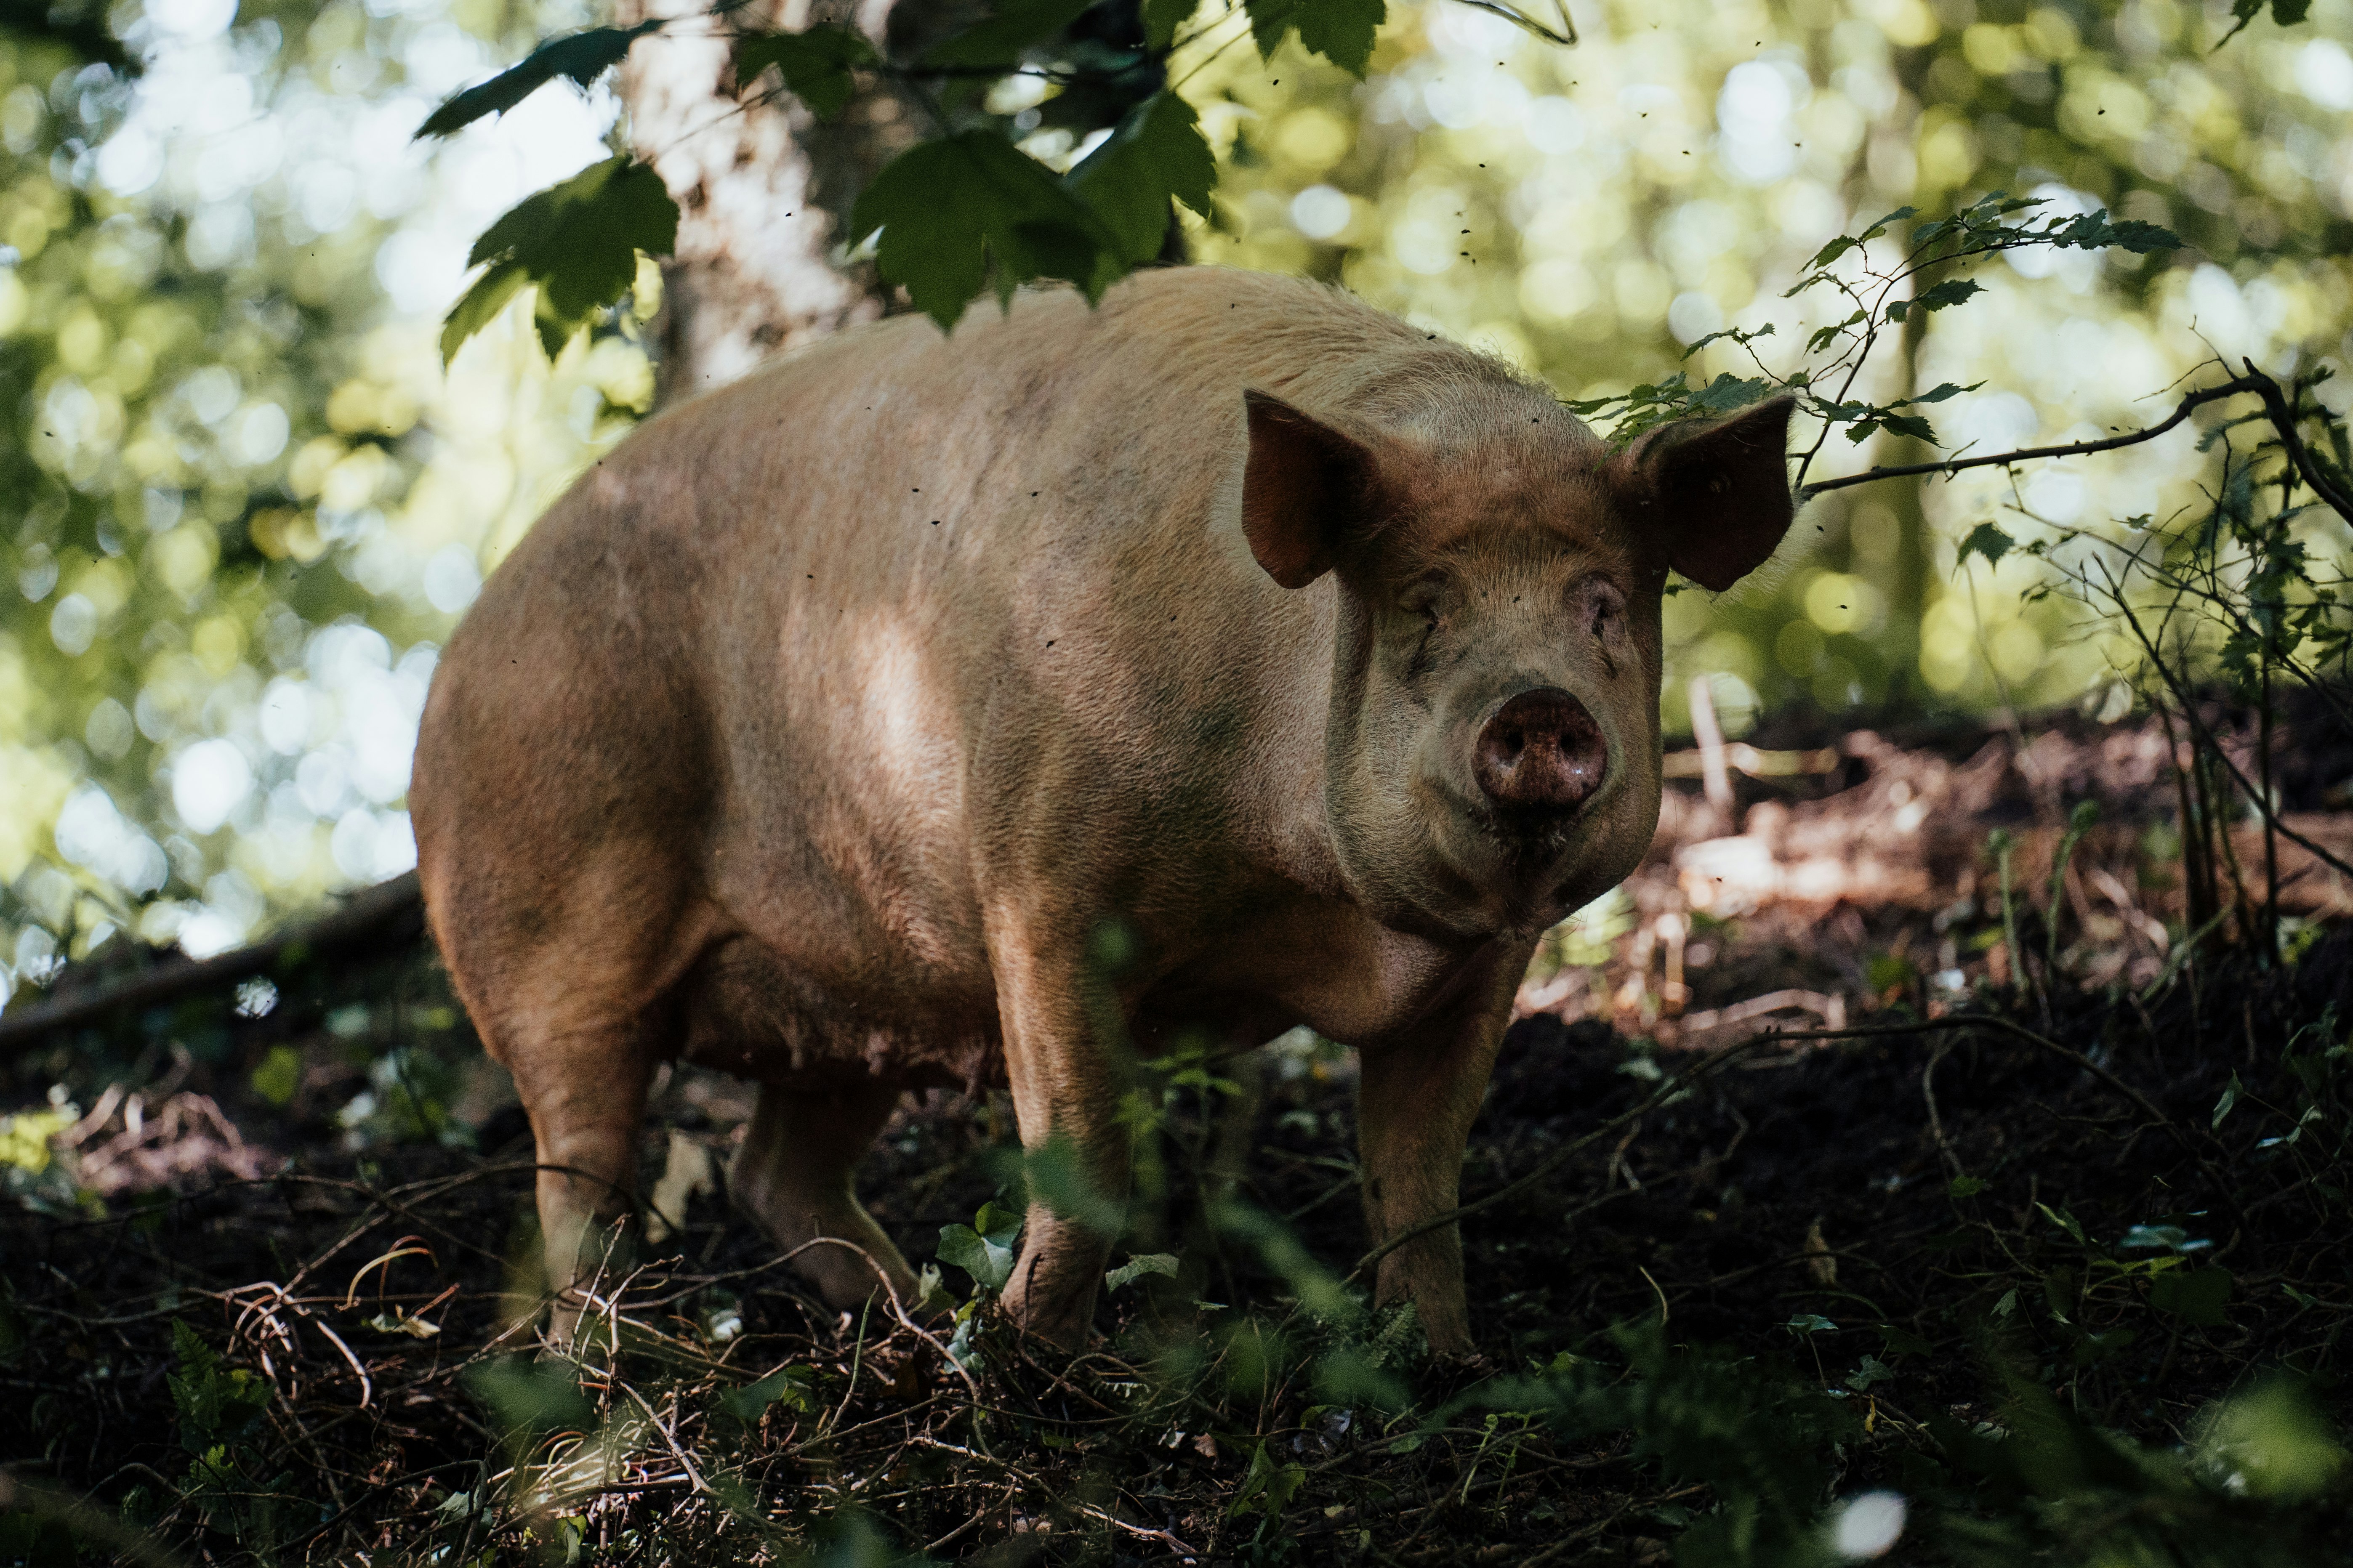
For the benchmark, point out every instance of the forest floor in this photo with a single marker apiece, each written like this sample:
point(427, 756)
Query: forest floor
point(2021, 1236)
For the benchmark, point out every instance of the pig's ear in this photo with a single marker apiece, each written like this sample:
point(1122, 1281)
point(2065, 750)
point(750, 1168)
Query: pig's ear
point(1303, 488)
point(1714, 493)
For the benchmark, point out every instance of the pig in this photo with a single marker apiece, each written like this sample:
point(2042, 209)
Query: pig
point(821, 732)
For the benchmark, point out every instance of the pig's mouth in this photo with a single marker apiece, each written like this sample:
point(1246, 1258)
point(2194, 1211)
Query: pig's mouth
point(1533, 839)
point(1534, 861)
point(1530, 854)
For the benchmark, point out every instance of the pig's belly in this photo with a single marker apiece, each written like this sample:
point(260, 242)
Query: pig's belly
point(746, 1009)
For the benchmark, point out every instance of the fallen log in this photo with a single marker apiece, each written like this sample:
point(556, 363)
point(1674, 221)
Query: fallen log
point(375, 920)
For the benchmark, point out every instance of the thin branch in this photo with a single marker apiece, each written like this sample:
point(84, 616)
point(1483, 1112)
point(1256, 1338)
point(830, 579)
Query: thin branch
point(2284, 421)
point(2190, 403)
point(2197, 723)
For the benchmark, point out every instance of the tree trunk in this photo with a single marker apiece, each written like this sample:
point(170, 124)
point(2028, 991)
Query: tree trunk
point(760, 185)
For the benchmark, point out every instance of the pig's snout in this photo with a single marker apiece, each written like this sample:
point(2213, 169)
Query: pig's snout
point(1542, 752)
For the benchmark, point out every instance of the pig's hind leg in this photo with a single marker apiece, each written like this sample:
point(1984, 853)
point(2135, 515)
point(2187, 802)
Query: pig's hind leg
point(585, 1118)
point(796, 1175)
point(564, 980)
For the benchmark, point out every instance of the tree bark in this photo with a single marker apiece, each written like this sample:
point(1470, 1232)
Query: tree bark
point(761, 187)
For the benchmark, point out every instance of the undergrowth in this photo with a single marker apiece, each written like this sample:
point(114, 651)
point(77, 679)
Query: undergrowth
point(2047, 1286)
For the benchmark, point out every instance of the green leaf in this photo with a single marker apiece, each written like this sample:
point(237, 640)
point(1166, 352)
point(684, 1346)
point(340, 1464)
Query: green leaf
point(1135, 1269)
point(1951, 291)
point(990, 1263)
point(2277, 1443)
point(999, 41)
point(1735, 333)
point(1674, 398)
point(787, 1386)
point(984, 1249)
point(1266, 1487)
point(1824, 336)
point(1831, 252)
point(2065, 1221)
point(1937, 297)
point(1988, 541)
point(577, 243)
point(1910, 425)
point(582, 57)
point(815, 64)
point(1156, 152)
point(951, 210)
point(1340, 30)
point(1964, 1187)
point(279, 1076)
point(1000, 1226)
point(1810, 1323)
point(2094, 231)
point(479, 305)
point(1872, 1370)
point(1162, 19)
point(2198, 1295)
point(2223, 1106)
point(215, 1402)
point(1726, 393)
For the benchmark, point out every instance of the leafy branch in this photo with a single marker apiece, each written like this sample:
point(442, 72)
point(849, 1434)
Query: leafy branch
point(953, 217)
point(2245, 573)
point(1881, 296)
point(2188, 404)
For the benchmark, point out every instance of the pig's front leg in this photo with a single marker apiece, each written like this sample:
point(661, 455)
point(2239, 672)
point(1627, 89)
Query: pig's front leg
point(1415, 1098)
point(1062, 1050)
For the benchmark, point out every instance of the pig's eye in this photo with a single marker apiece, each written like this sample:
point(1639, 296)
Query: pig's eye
point(1423, 599)
point(1599, 609)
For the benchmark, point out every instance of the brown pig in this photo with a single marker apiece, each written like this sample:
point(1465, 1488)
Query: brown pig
point(817, 732)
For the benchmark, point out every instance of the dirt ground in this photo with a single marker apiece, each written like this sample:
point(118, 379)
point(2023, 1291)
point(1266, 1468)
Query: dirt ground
point(1992, 1188)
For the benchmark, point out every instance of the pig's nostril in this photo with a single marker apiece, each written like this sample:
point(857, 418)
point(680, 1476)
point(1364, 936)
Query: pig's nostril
point(1541, 751)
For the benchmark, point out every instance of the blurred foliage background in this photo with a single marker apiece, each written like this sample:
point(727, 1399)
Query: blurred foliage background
point(241, 501)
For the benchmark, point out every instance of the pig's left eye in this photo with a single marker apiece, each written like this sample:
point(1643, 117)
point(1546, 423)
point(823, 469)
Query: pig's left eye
point(1599, 609)
point(1601, 614)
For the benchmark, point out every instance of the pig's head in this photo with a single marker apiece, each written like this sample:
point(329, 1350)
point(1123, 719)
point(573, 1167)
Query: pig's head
point(1491, 751)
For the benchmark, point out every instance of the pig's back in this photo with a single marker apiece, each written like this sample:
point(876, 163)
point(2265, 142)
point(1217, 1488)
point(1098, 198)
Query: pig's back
point(1010, 587)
